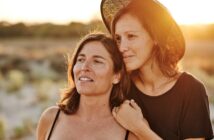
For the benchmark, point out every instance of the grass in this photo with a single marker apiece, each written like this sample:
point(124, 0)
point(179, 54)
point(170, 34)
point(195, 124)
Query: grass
point(2, 129)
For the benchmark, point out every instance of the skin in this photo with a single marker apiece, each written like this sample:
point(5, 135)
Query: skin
point(94, 79)
point(136, 45)
point(99, 80)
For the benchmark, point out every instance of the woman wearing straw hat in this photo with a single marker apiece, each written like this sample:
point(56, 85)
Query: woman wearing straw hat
point(174, 104)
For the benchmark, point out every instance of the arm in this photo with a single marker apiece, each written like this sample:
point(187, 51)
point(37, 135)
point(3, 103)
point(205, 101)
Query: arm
point(45, 122)
point(134, 120)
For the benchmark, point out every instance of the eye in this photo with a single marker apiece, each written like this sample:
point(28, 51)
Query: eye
point(98, 62)
point(80, 59)
point(131, 36)
point(117, 39)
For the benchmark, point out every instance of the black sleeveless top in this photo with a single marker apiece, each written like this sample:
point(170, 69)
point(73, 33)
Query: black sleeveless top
point(56, 117)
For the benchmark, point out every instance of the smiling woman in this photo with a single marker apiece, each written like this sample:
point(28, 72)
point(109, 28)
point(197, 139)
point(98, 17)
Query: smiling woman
point(101, 83)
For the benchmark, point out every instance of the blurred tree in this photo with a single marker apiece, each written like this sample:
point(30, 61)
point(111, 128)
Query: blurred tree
point(77, 29)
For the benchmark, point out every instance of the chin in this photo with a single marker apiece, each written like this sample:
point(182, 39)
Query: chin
point(84, 91)
point(131, 67)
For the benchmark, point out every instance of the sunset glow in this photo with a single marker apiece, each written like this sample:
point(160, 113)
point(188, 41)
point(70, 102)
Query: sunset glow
point(65, 11)
point(56, 11)
point(191, 11)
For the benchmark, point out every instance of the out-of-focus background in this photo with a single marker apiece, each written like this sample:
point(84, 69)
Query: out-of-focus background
point(36, 35)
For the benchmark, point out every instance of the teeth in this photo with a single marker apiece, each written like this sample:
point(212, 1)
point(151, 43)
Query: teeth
point(85, 79)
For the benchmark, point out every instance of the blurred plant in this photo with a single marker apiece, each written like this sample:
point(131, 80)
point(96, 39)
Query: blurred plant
point(25, 129)
point(15, 79)
point(29, 125)
point(19, 132)
point(40, 71)
point(2, 81)
point(2, 128)
point(211, 100)
point(43, 89)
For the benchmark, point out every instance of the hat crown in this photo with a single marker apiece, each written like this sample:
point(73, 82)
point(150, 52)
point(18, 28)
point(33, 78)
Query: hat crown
point(109, 9)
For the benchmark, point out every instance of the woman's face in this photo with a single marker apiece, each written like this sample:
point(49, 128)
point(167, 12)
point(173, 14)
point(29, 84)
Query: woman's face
point(134, 42)
point(93, 70)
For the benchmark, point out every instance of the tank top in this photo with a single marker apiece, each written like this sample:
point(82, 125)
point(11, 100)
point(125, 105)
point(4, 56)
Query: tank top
point(57, 116)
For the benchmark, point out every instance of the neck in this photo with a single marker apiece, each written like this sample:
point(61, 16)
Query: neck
point(94, 107)
point(150, 74)
point(150, 79)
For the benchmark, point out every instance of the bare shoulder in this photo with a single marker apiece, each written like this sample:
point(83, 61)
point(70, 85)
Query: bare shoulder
point(49, 112)
point(46, 121)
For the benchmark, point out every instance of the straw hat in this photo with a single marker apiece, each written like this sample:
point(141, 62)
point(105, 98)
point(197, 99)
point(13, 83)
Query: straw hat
point(109, 9)
point(152, 9)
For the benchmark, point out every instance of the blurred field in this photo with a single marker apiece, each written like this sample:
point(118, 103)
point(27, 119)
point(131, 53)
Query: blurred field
point(33, 70)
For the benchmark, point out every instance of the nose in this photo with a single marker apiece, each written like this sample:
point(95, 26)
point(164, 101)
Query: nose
point(123, 46)
point(85, 66)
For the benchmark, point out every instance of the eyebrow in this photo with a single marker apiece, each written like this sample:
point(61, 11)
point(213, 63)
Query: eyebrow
point(132, 31)
point(95, 56)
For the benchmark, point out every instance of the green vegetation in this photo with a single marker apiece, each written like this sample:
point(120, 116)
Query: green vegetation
point(78, 29)
point(26, 129)
point(16, 80)
point(2, 129)
point(74, 29)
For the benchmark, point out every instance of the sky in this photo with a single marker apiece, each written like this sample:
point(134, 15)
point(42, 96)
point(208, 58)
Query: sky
point(65, 11)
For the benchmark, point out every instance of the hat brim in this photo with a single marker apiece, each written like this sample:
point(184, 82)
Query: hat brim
point(109, 8)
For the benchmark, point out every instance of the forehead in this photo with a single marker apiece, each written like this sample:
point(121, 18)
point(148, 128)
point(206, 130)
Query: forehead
point(94, 48)
point(128, 22)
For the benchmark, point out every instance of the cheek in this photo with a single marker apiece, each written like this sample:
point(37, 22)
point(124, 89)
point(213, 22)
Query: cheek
point(105, 73)
point(144, 48)
point(75, 71)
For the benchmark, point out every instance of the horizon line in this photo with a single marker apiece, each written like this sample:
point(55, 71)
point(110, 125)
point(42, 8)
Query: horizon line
point(85, 22)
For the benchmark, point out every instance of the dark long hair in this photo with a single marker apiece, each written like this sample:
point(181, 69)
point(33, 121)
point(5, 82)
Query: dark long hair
point(169, 45)
point(69, 102)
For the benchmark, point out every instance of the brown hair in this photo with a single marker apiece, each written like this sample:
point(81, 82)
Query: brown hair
point(69, 102)
point(169, 46)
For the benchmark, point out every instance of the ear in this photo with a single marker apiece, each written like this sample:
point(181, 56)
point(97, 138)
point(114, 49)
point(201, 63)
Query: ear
point(116, 78)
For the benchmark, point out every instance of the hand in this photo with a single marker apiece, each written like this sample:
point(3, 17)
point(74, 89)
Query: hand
point(129, 115)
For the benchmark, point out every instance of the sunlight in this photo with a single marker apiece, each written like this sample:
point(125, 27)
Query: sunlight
point(65, 11)
point(62, 11)
point(191, 11)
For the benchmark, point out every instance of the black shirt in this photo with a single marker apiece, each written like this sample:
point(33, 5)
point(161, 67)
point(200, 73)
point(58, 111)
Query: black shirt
point(180, 113)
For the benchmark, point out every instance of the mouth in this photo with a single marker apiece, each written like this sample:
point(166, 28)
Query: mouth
point(125, 57)
point(85, 79)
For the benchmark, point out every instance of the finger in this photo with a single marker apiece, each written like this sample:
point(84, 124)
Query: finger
point(126, 102)
point(134, 105)
point(114, 112)
point(116, 109)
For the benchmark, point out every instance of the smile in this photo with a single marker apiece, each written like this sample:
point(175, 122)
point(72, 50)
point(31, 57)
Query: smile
point(127, 57)
point(85, 79)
